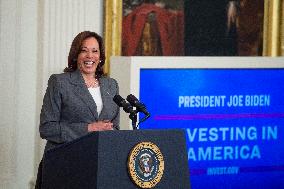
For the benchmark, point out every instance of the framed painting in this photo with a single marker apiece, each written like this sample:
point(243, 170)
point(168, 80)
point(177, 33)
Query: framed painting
point(158, 27)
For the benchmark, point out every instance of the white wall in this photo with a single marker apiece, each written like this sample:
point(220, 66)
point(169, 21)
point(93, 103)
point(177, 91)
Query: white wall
point(18, 33)
point(35, 36)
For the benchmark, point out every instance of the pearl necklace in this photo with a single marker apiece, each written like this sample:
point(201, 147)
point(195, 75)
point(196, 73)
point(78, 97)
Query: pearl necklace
point(92, 84)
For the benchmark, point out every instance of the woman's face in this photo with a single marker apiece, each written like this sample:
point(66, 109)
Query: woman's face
point(89, 57)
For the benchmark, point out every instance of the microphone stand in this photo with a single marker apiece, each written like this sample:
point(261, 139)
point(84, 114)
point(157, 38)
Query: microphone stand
point(133, 117)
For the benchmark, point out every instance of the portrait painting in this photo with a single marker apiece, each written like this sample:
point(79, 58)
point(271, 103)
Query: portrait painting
point(152, 28)
point(223, 27)
point(186, 27)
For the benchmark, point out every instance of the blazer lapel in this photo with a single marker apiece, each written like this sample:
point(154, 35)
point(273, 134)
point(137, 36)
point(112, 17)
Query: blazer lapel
point(104, 93)
point(82, 91)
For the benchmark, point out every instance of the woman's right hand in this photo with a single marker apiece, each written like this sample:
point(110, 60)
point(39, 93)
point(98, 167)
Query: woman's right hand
point(100, 126)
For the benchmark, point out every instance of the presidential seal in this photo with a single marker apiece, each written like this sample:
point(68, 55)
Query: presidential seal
point(146, 164)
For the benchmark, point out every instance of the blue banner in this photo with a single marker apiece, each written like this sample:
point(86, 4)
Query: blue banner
point(234, 120)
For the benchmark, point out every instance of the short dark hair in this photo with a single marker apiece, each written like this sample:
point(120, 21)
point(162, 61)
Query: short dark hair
point(75, 50)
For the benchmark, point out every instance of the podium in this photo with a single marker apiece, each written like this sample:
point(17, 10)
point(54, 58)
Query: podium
point(99, 160)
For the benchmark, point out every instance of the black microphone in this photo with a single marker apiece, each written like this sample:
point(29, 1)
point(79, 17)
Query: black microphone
point(122, 103)
point(139, 105)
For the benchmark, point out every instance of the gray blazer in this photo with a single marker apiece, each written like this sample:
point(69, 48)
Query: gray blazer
point(68, 107)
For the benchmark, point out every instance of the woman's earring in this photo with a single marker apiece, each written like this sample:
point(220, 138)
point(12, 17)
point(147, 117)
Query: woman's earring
point(74, 61)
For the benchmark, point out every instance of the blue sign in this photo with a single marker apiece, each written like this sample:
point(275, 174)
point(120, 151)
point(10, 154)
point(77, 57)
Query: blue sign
point(234, 120)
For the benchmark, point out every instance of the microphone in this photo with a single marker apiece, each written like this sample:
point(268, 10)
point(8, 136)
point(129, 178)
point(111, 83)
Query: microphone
point(140, 107)
point(122, 103)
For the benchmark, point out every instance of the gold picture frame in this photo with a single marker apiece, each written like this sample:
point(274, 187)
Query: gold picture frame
point(273, 36)
point(112, 29)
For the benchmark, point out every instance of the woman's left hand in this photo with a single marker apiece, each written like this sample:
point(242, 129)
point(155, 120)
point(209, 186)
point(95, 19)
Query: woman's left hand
point(100, 126)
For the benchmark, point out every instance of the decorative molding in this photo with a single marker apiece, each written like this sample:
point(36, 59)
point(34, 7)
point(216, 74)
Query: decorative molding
point(10, 12)
point(62, 21)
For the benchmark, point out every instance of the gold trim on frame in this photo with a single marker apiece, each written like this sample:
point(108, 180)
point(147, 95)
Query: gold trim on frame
point(112, 30)
point(282, 29)
point(272, 28)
